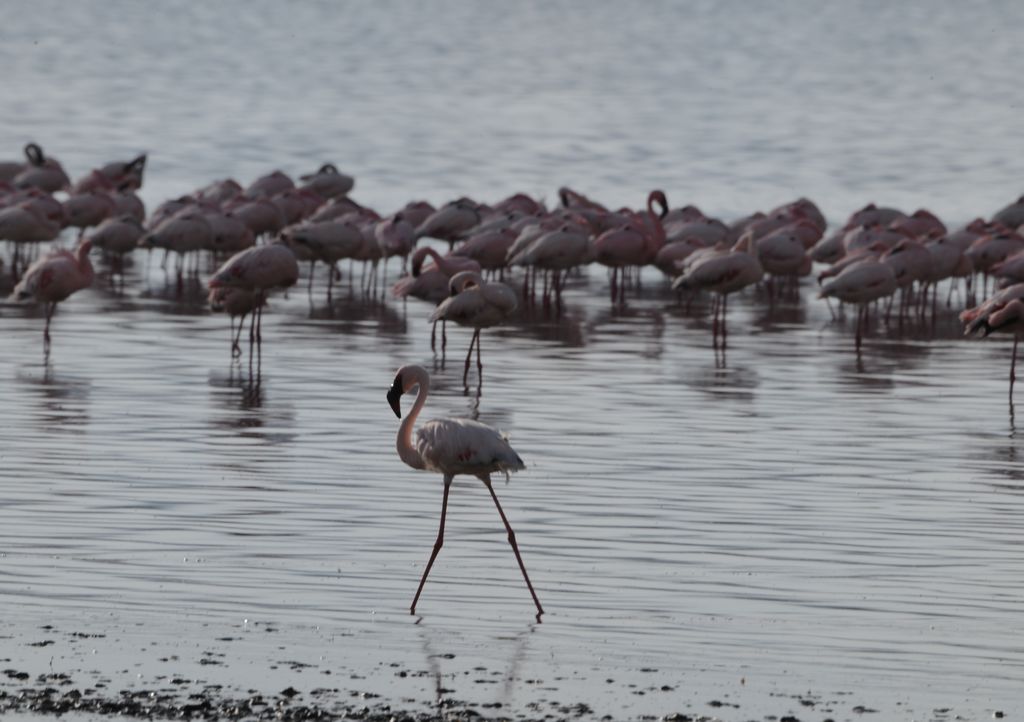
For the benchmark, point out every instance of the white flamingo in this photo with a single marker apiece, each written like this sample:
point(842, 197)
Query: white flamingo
point(452, 447)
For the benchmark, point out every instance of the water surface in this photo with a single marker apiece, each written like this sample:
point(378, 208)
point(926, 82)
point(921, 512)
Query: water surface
point(798, 523)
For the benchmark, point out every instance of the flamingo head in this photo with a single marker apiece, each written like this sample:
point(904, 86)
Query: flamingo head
point(403, 382)
point(658, 196)
point(34, 154)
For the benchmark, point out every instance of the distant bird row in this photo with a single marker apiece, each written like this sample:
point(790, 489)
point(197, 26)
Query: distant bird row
point(877, 254)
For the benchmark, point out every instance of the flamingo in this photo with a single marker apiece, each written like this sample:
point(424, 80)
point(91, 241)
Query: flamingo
point(476, 304)
point(636, 244)
point(89, 208)
point(1012, 215)
point(328, 182)
point(430, 283)
point(220, 192)
point(556, 251)
point(861, 283)
point(269, 185)
point(53, 278)
point(118, 235)
point(449, 222)
point(42, 172)
point(259, 269)
point(1003, 312)
point(396, 236)
point(235, 301)
point(722, 271)
point(451, 447)
point(117, 174)
point(325, 241)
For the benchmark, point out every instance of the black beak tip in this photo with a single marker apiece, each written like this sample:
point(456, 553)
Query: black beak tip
point(394, 399)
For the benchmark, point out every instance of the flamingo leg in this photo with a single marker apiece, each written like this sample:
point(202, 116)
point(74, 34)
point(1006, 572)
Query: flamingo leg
point(861, 322)
point(1013, 365)
point(515, 547)
point(437, 544)
point(236, 350)
point(469, 356)
point(479, 363)
point(725, 302)
point(433, 337)
point(50, 308)
point(715, 300)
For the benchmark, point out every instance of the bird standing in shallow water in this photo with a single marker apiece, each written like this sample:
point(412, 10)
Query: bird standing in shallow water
point(1003, 312)
point(53, 278)
point(452, 447)
point(476, 304)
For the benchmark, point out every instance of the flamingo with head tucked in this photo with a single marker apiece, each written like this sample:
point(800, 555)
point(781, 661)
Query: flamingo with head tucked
point(53, 278)
point(1003, 312)
point(478, 305)
point(452, 447)
point(635, 244)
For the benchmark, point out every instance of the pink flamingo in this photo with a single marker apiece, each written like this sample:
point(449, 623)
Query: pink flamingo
point(635, 244)
point(478, 305)
point(452, 447)
point(328, 182)
point(489, 248)
point(325, 241)
point(261, 215)
point(118, 236)
point(430, 283)
point(873, 215)
point(395, 236)
point(672, 255)
point(1003, 312)
point(117, 174)
point(555, 251)
point(42, 172)
point(84, 210)
point(53, 278)
point(259, 270)
point(27, 223)
point(220, 192)
point(1012, 216)
point(234, 301)
point(862, 283)
point(269, 185)
point(722, 272)
point(449, 222)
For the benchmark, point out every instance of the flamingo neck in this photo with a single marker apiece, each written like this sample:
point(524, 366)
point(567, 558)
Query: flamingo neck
point(406, 451)
point(441, 264)
point(659, 229)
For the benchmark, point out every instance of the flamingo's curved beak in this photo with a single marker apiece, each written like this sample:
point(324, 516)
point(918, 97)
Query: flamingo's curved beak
point(395, 396)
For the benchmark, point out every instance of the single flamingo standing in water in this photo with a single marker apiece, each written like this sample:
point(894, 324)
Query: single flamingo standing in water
point(234, 301)
point(53, 278)
point(721, 272)
point(452, 447)
point(476, 304)
point(258, 270)
point(1004, 312)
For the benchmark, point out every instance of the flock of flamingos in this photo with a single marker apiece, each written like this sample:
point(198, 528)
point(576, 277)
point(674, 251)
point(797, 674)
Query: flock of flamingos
point(881, 259)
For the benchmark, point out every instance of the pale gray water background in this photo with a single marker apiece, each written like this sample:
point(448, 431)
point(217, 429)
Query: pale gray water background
point(796, 523)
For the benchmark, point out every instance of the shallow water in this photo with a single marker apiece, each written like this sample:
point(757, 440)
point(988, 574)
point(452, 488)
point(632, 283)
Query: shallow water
point(798, 524)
